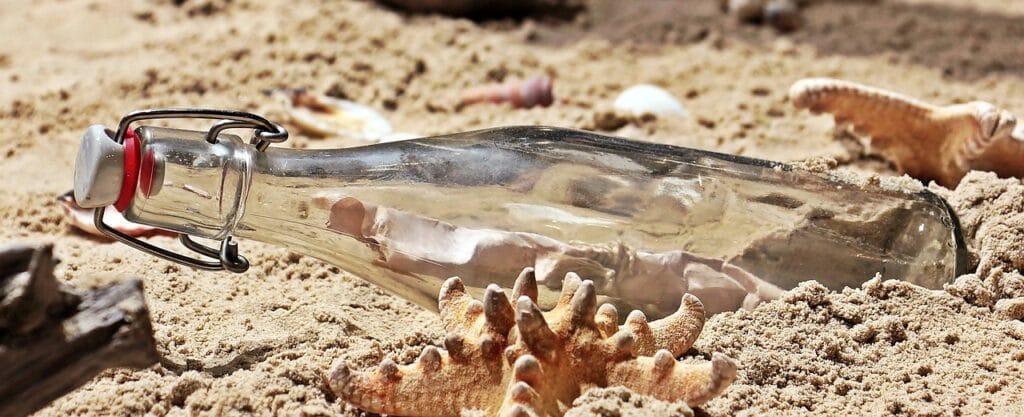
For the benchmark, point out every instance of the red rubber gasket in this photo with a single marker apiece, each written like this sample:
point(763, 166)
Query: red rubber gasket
point(131, 171)
point(146, 174)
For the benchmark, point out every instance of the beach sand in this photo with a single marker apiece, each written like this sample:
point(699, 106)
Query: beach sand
point(258, 343)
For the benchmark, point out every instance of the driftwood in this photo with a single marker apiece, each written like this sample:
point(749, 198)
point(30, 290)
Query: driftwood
point(54, 338)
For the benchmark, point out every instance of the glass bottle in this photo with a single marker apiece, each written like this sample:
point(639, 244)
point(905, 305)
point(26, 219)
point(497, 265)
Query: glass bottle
point(647, 222)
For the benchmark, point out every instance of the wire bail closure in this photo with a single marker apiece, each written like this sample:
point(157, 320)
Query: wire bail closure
point(227, 257)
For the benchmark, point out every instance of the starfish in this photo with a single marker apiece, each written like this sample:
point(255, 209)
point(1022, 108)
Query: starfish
point(514, 360)
point(929, 142)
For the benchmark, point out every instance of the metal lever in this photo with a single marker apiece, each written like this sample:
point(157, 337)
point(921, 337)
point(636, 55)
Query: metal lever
point(227, 257)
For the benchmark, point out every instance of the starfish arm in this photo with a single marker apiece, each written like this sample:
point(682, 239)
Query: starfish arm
point(520, 402)
point(434, 385)
point(498, 311)
point(902, 128)
point(524, 397)
point(980, 137)
point(607, 320)
point(926, 141)
point(583, 306)
point(472, 325)
point(534, 333)
point(873, 109)
point(570, 284)
point(458, 310)
point(1005, 157)
point(525, 284)
point(643, 335)
point(678, 331)
point(662, 377)
point(1002, 150)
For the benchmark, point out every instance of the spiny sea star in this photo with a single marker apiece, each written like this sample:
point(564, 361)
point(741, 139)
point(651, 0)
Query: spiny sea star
point(514, 360)
point(926, 141)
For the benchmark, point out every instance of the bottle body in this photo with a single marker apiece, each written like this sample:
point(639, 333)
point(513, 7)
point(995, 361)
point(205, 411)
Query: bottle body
point(646, 222)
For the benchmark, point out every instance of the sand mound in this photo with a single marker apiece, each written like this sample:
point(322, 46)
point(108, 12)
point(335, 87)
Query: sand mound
point(258, 343)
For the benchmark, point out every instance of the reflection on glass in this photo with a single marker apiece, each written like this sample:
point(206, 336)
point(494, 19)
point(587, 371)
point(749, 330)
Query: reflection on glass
point(646, 222)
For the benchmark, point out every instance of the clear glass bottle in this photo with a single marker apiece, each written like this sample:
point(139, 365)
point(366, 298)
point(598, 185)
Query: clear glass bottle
point(646, 222)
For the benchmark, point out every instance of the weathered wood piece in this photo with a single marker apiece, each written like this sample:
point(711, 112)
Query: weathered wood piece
point(54, 338)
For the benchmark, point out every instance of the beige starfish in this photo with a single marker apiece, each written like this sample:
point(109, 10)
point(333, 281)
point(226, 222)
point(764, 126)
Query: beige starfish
point(926, 141)
point(514, 360)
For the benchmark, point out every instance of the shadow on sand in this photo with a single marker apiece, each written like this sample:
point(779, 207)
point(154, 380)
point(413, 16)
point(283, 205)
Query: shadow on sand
point(962, 42)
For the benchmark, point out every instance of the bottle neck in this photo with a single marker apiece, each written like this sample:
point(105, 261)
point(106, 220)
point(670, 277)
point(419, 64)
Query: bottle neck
point(189, 185)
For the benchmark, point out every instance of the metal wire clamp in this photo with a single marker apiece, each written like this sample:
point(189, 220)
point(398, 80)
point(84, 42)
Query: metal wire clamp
point(227, 257)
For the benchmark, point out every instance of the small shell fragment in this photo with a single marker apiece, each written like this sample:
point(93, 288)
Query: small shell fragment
point(82, 219)
point(324, 116)
point(783, 15)
point(746, 10)
point(643, 99)
point(526, 93)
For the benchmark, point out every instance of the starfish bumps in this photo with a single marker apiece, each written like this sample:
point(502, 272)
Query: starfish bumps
point(926, 141)
point(510, 359)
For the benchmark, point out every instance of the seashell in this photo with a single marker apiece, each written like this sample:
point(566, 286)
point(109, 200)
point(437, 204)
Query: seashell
point(783, 15)
point(643, 99)
point(526, 93)
point(746, 10)
point(325, 116)
point(82, 219)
